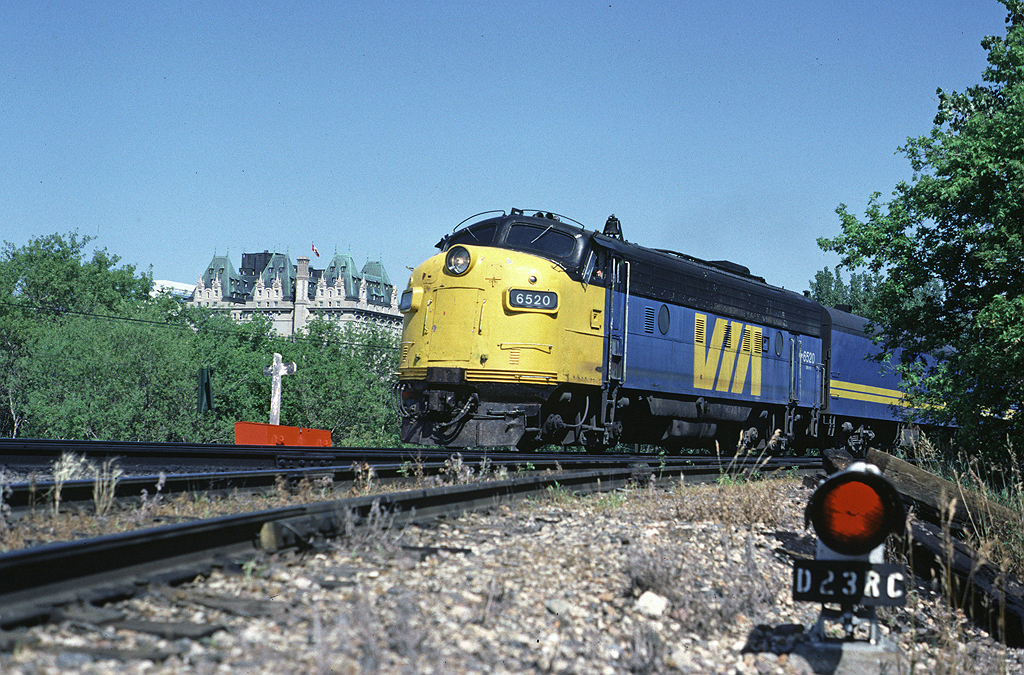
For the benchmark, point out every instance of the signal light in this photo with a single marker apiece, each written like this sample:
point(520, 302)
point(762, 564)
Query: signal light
point(854, 511)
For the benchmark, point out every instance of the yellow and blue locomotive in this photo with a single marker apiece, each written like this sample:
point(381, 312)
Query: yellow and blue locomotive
point(528, 330)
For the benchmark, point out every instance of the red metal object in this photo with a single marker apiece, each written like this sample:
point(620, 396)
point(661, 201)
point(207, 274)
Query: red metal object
point(254, 433)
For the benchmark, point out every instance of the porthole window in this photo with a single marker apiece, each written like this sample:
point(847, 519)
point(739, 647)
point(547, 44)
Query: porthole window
point(663, 319)
point(778, 343)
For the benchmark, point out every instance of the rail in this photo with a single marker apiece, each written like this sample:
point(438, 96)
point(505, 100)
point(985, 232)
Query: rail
point(36, 582)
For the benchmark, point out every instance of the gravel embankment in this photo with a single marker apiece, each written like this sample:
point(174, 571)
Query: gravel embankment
point(691, 580)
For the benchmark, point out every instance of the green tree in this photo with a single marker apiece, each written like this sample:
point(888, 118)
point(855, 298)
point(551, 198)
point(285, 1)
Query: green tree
point(343, 383)
point(40, 284)
point(51, 273)
point(107, 378)
point(950, 245)
point(829, 289)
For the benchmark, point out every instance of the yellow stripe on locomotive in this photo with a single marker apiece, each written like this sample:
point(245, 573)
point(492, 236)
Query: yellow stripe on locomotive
point(508, 317)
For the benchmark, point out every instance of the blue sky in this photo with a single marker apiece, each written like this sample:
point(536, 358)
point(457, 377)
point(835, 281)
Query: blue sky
point(729, 130)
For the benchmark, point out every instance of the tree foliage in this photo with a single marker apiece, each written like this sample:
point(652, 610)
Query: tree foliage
point(85, 352)
point(52, 274)
point(950, 245)
point(343, 382)
point(829, 289)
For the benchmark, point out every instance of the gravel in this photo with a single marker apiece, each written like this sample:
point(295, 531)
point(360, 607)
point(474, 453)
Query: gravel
point(690, 579)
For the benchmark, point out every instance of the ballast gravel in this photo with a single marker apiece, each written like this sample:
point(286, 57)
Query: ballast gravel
point(689, 580)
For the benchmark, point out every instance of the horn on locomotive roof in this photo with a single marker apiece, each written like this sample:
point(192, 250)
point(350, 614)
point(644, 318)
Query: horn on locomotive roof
point(613, 228)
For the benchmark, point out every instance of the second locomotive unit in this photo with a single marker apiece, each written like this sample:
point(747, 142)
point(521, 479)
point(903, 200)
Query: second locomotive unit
point(528, 330)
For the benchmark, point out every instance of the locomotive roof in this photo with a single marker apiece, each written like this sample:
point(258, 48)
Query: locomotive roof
point(685, 280)
point(846, 322)
point(718, 287)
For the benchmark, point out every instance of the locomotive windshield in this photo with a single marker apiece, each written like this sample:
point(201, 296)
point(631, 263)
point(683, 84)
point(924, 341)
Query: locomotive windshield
point(541, 239)
point(479, 235)
point(547, 238)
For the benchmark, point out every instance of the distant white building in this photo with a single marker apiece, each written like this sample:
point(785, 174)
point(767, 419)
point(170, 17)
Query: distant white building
point(292, 295)
point(175, 288)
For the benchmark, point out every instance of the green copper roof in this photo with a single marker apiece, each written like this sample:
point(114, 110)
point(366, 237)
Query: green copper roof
point(280, 266)
point(222, 269)
point(342, 266)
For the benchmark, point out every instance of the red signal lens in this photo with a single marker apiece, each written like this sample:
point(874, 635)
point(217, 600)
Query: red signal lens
point(854, 512)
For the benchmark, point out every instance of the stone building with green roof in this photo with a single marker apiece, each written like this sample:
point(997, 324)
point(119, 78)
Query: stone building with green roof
point(292, 295)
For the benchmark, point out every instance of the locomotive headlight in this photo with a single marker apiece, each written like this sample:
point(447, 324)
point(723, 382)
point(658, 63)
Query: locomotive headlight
point(457, 261)
point(854, 511)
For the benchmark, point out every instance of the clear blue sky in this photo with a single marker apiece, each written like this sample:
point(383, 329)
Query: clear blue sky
point(171, 130)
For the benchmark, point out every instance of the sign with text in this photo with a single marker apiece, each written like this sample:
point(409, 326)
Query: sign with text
point(849, 583)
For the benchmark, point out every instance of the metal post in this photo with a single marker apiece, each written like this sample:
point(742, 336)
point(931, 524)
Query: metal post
point(275, 371)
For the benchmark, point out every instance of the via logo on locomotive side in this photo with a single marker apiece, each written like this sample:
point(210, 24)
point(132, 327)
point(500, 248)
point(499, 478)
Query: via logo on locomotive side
point(732, 353)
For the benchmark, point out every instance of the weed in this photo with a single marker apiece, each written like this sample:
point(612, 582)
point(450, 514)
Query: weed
point(5, 493)
point(647, 654)
point(315, 489)
point(734, 474)
point(69, 467)
point(561, 496)
point(33, 479)
point(414, 468)
point(254, 568)
point(147, 505)
point(374, 533)
point(607, 501)
point(407, 635)
point(495, 597)
point(523, 468)
point(105, 477)
point(457, 471)
point(281, 491)
point(363, 476)
point(655, 570)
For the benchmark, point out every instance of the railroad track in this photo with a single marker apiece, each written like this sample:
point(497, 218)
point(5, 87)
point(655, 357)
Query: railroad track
point(38, 455)
point(217, 469)
point(35, 583)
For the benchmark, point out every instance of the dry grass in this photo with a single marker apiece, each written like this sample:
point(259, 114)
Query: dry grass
point(1000, 538)
point(148, 510)
point(737, 503)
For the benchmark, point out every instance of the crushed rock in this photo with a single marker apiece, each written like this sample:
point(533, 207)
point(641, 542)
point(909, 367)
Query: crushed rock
point(592, 585)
